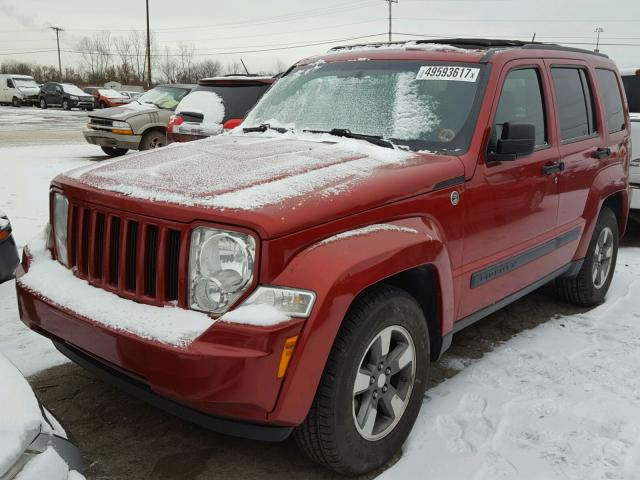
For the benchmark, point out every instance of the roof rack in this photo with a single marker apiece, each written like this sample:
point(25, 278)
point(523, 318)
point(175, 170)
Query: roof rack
point(472, 44)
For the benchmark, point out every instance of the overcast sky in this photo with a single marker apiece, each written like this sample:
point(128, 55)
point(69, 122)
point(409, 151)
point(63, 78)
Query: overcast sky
point(238, 27)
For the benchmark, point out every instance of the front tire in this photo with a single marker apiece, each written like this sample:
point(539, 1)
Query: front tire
point(65, 105)
point(372, 387)
point(114, 151)
point(16, 102)
point(590, 286)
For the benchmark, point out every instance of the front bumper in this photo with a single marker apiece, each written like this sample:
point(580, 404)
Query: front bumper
point(8, 258)
point(230, 371)
point(81, 103)
point(104, 138)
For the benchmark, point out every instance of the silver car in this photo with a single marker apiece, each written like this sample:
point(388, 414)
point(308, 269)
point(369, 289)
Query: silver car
point(139, 125)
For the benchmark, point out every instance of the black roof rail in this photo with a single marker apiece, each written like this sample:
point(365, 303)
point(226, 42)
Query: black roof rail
point(491, 44)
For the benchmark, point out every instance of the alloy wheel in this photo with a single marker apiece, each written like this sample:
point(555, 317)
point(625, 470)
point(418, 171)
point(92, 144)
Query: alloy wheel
point(602, 257)
point(384, 383)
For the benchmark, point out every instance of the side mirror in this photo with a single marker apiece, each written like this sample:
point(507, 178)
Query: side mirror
point(517, 140)
point(232, 123)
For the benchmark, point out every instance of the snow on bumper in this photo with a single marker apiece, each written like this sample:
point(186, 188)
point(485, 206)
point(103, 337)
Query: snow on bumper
point(217, 367)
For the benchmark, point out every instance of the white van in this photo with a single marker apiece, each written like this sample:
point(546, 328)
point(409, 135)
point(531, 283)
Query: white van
point(631, 81)
point(18, 90)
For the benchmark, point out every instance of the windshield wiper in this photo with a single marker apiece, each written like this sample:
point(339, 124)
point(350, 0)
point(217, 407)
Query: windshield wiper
point(345, 132)
point(264, 127)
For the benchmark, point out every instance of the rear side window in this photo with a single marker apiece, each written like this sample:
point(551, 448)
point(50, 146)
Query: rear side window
point(521, 101)
point(237, 99)
point(612, 99)
point(632, 89)
point(575, 103)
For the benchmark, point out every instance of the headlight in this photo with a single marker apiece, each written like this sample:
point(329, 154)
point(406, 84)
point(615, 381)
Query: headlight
point(73, 97)
point(291, 302)
point(60, 217)
point(123, 125)
point(220, 268)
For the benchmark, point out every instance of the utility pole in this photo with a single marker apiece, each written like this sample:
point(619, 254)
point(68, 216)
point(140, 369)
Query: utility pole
point(58, 30)
point(390, 2)
point(598, 30)
point(148, 50)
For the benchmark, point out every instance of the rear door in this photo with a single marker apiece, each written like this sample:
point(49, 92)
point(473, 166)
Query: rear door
point(511, 206)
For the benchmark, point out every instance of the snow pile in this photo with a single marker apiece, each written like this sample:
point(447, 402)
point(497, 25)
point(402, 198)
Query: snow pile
point(560, 401)
point(380, 227)
point(208, 103)
point(169, 325)
point(48, 465)
point(259, 315)
point(20, 416)
point(243, 172)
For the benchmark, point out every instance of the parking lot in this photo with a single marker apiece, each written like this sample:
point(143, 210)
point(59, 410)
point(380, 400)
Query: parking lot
point(122, 437)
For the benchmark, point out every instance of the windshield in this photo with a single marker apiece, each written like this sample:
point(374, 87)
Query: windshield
point(419, 104)
point(164, 97)
point(72, 89)
point(109, 93)
point(632, 89)
point(24, 82)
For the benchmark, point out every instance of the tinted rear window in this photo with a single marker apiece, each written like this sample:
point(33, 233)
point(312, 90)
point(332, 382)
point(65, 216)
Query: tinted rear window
point(632, 89)
point(575, 103)
point(237, 99)
point(612, 99)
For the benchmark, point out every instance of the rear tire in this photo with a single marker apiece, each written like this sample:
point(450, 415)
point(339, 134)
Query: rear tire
point(103, 105)
point(43, 104)
point(153, 139)
point(590, 286)
point(114, 151)
point(16, 102)
point(360, 380)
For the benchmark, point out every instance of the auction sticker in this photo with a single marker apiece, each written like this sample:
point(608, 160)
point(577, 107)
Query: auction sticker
point(443, 72)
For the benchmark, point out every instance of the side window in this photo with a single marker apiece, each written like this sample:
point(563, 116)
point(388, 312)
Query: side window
point(612, 100)
point(632, 88)
point(521, 101)
point(575, 103)
point(9, 83)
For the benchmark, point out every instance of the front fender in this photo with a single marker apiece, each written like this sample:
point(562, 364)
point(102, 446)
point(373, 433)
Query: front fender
point(337, 270)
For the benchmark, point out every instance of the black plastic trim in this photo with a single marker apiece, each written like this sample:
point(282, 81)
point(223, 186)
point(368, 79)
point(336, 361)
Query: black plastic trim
point(268, 433)
point(451, 182)
point(480, 314)
point(506, 266)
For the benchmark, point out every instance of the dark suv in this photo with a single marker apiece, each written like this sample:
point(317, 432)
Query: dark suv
point(198, 116)
point(65, 95)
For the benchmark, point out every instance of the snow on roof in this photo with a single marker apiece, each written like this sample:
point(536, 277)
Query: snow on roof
point(236, 77)
point(243, 172)
point(169, 325)
point(409, 45)
point(20, 416)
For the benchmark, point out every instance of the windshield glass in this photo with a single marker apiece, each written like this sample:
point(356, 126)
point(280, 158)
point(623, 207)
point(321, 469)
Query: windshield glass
point(164, 97)
point(72, 89)
point(25, 82)
point(419, 104)
point(632, 89)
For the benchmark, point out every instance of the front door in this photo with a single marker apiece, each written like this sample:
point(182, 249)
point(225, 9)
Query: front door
point(511, 206)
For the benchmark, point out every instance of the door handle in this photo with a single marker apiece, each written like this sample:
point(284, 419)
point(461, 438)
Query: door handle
point(553, 167)
point(603, 152)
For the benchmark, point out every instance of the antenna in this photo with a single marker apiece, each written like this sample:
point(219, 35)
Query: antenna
point(245, 67)
point(534, 37)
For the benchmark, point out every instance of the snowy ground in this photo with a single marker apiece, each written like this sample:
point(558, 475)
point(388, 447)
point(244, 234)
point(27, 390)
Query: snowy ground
point(537, 391)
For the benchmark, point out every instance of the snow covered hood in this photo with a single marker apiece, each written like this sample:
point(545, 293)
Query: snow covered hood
point(251, 179)
point(20, 416)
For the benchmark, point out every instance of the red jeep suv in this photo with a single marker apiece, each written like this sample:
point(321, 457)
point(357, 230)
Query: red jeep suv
point(300, 275)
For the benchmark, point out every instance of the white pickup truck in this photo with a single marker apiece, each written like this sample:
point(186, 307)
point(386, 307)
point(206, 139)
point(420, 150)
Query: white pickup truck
point(631, 81)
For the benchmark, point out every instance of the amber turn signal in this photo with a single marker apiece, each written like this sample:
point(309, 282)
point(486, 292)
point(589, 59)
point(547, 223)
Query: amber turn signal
point(4, 234)
point(287, 351)
point(122, 132)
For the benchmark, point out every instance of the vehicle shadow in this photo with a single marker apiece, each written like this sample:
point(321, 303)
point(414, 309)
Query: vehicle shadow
point(122, 437)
